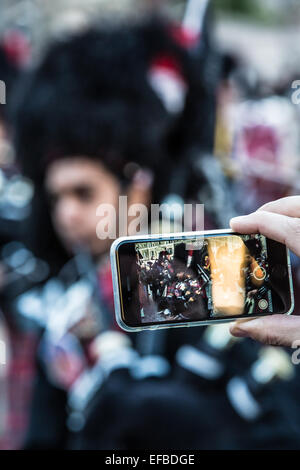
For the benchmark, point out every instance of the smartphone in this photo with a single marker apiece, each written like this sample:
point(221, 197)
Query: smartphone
point(198, 278)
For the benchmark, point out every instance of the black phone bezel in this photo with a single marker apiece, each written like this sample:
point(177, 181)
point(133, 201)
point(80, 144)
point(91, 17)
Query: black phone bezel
point(126, 266)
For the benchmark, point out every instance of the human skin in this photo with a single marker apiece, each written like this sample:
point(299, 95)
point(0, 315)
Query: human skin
point(76, 186)
point(280, 221)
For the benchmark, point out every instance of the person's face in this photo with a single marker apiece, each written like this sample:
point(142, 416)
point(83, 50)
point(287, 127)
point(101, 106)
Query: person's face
point(76, 187)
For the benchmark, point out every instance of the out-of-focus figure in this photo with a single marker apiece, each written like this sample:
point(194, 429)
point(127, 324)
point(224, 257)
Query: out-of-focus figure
point(129, 110)
point(103, 115)
point(16, 263)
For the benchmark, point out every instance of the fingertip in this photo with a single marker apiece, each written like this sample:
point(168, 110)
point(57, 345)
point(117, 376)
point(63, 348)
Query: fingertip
point(237, 223)
point(236, 329)
point(234, 221)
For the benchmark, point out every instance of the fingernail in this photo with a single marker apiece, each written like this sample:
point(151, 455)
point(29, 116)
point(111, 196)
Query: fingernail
point(239, 218)
point(237, 330)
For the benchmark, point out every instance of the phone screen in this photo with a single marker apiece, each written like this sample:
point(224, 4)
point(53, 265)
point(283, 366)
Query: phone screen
point(212, 277)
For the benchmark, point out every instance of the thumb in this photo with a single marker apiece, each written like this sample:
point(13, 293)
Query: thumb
point(278, 227)
point(276, 330)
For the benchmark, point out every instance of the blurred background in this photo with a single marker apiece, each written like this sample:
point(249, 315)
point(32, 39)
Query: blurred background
point(230, 140)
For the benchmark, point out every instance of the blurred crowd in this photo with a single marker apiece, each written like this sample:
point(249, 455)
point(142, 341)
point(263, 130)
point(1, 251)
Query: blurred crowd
point(153, 109)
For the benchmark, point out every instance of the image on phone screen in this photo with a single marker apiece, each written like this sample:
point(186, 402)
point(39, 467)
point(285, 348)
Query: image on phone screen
point(205, 278)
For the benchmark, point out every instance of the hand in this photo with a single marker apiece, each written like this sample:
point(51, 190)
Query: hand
point(275, 330)
point(280, 221)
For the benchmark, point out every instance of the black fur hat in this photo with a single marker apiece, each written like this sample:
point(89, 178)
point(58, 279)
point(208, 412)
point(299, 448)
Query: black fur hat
point(91, 95)
point(97, 94)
